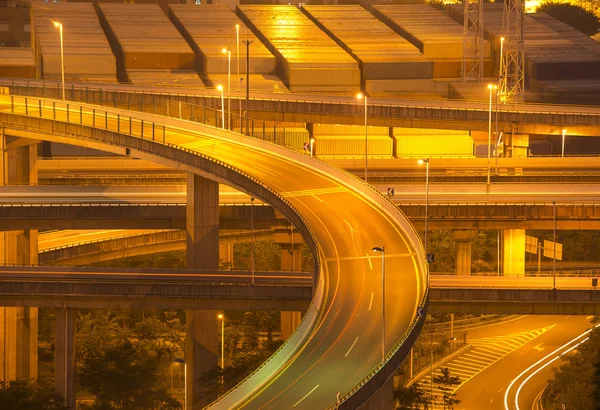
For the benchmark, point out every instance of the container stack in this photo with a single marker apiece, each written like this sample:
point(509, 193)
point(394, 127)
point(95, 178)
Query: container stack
point(17, 62)
point(384, 55)
point(348, 141)
point(436, 35)
point(87, 54)
point(422, 142)
point(143, 38)
point(307, 59)
point(208, 29)
point(555, 54)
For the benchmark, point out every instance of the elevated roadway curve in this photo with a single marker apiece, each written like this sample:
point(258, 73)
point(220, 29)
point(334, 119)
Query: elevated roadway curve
point(341, 218)
point(462, 115)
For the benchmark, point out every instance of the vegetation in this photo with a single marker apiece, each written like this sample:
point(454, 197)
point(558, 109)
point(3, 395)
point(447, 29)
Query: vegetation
point(25, 395)
point(411, 398)
point(575, 16)
point(446, 384)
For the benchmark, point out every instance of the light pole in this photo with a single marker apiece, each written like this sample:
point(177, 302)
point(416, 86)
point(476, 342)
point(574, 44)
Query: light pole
point(247, 42)
point(252, 236)
point(221, 317)
point(382, 250)
point(228, 52)
point(361, 96)
point(181, 361)
point(491, 87)
point(431, 376)
point(564, 131)
point(501, 66)
point(426, 162)
point(237, 47)
point(312, 143)
point(554, 239)
point(497, 143)
point(220, 88)
point(62, 56)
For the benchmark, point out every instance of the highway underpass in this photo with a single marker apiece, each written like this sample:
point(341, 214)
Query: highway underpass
point(343, 239)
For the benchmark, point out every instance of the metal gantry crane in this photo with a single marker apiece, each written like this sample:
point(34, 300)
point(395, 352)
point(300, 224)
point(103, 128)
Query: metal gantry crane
point(512, 60)
point(472, 58)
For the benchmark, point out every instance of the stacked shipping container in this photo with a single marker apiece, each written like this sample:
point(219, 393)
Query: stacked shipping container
point(348, 141)
point(143, 38)
point(307, 59)
point(17, 62)
point(435, 34)
point(87, 54)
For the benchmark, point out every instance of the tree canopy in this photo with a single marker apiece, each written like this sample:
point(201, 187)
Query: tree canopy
point(25, 395)
point(575, 16)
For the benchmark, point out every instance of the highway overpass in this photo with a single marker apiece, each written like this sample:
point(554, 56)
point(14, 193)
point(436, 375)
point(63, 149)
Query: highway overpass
point(457, 115)
point(307, 192)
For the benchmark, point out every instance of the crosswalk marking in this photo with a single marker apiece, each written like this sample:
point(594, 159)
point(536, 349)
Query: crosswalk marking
point(484, 352)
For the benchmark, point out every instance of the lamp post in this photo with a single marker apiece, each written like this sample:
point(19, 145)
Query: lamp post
point(237, 48)
point(181, 361)
point(564, 131)
point(426, 162)
point(491, 87)
point(228, 52)
point(501, 66)
point(221, 317)
point(361, 96)
point(62, 56)
point(497, 143)
point(312, 142)
point(382, 250)
point(554, 239)
point(220, 88)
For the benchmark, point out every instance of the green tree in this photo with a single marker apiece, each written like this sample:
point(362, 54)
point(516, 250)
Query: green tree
point(446, 384)
point(25, 395)
point(575, 16)
point(411, 398)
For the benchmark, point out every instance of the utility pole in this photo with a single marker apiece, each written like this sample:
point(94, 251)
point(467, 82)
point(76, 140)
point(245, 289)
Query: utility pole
point(247, 42)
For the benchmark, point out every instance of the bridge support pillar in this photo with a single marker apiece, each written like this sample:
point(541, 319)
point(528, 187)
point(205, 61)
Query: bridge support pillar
point(289, 240)
point(202, 341)
point(202, 224)
point(383, 399)
point(514, 252)
point(463, 239)
point(289, 323)
point(226, 255)
point(64, 357)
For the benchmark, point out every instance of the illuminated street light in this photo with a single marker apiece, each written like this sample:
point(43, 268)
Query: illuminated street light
point(426, 162)
point(382, 250)
point(222, 319)
point(62, 56)
point(361, 96)
point(563, 143)
point(501, 67)
point(181, 361)
point(491, 87)
point(220, 88)
point(228, 52)
point(312, 142)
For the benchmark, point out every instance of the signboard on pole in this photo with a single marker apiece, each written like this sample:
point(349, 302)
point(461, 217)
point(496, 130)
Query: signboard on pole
point(531, 244)
point(549, 250)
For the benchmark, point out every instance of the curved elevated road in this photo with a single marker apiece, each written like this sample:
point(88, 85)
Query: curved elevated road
point(336, 348)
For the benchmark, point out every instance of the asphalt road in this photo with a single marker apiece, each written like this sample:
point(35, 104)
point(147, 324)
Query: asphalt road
point(348, 220)
point(486, 390)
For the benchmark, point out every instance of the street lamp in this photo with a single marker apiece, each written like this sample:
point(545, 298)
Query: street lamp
point(501, 67)
point(222, 318)
point(361, 96)
point(382, 250)
point(237, 46)
point(426, 162)
point(220, 88)
point(312, 142)
point(62, 56)
point(228, 52)
point(564, 131)
point(181, 361)
point(497, 143)
point(491, 87)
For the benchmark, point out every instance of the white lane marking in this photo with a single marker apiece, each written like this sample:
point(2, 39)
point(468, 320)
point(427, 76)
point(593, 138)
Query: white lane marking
point(299, 401)
point(371, 302)
point(348, 352)
point(370, 263)
point(349, 226)
point(264, 170)
point(394, 255)
point(316, 197)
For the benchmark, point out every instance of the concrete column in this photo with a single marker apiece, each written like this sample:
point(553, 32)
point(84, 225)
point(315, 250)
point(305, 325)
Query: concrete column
point(383, 399)
point(518, 143)
point(291, 258)
point(201, 348)
point(514, 252)
point(226, 255)
point(202, 223)
point(8, 343)
point(289, 323)
point(289, 240)
point(463, 239)
point(27, 343)
point(64, 355)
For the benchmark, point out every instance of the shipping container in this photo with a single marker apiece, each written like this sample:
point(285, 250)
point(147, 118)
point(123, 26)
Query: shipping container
point(17, 62)
point(343, 146)
point(416, 143)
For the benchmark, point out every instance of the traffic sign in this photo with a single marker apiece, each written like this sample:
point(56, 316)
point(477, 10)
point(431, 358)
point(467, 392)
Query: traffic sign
point(531, 244)
point(430, 258)
point(549, 250)
point(306, 146)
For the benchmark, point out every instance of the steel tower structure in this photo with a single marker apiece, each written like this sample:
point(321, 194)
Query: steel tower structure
point(512, 80)
point(472, 58)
